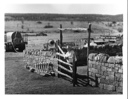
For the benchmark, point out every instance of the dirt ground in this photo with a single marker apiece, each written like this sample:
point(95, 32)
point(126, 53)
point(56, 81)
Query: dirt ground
point(18, 80)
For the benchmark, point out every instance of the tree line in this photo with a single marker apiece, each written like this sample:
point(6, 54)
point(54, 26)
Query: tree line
point(63, 17)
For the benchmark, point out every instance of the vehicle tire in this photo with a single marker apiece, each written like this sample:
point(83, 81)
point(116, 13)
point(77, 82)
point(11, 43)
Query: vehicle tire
point(8, 47)
point(21, 47)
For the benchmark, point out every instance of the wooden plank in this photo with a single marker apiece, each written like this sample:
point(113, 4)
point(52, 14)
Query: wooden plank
point(65, 68)
point(74, 71)
point(61, 50)
point(64, 62)
point(61, 37)
point(60, 55)
point(59, 69)
point(73, 29)
point(61, 42)
point(88, 50)
point(64, 74)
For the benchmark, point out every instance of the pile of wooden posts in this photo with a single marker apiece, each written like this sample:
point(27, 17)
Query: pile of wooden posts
point(39, 61)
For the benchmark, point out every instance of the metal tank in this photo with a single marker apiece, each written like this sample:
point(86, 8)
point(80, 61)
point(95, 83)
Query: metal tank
point(15, 41)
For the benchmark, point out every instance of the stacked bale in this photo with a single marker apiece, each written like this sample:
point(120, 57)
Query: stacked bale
point(39, 61)
point(106, 72)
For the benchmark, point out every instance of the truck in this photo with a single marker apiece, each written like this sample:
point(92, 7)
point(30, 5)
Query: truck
point(15, 41)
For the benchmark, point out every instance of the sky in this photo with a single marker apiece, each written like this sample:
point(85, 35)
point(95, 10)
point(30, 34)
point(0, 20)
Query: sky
point(111, 9)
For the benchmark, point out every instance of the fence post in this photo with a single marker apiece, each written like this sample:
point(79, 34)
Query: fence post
point(74, 71)
point(59, 69)
point(88, 49)
point(61, 42)
point(61, 36)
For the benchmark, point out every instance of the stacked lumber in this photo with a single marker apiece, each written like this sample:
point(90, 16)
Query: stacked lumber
point(39, 61)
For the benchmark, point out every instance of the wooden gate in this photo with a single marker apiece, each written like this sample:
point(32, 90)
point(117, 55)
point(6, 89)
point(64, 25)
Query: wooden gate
point(65, 68)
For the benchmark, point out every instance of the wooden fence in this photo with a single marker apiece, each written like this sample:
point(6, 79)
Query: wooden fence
point(65, 68)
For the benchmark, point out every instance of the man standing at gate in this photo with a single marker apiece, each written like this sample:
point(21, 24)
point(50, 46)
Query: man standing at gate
point(69, 55)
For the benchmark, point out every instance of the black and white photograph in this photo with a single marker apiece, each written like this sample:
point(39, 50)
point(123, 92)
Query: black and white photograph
point(64, 49)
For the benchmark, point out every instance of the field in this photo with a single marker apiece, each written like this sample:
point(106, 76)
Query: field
point(34, 26)
point(20, 81)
